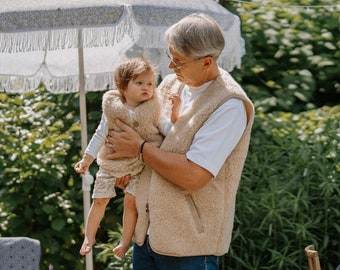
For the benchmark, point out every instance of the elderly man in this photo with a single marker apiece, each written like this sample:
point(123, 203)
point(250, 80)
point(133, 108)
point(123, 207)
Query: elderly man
point(186, 196)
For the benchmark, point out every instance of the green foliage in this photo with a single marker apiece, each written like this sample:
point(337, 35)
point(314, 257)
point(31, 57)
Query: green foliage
point(292, 60)
point(110, 262)
point(289, 195)
point(38, 196)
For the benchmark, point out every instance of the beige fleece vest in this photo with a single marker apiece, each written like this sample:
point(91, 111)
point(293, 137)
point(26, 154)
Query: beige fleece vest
point(184, 223)
point(146, 123)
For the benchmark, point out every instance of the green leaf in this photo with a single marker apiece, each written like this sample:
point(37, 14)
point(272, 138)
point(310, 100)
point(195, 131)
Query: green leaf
point(58, 224)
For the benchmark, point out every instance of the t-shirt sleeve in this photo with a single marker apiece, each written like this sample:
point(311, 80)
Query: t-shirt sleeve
point(219, 135)
point(98, 139)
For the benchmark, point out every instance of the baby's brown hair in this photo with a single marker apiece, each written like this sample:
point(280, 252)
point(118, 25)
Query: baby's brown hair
point(129, 70)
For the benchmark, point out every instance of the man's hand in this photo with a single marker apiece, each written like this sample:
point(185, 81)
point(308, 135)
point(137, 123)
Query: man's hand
point(124, 143)
point(122, 182)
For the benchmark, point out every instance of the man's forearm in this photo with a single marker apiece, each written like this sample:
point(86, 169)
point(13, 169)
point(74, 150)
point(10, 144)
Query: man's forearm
point(176, 168)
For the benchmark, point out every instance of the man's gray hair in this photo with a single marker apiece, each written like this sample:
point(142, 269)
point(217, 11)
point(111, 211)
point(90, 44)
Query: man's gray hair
point(196, 35)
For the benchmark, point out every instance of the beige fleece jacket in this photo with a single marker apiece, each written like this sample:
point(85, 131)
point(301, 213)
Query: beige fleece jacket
point(147, 116)
point(191, 223)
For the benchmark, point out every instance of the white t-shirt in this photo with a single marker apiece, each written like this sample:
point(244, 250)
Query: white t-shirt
point(219, 135)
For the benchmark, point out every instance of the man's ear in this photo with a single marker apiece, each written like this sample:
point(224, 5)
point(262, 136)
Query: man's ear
point(207, 61)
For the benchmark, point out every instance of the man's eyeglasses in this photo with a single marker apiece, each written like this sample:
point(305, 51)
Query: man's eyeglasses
point(180, 66)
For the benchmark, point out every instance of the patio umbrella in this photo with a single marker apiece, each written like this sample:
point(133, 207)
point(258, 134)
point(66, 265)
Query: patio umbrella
point(73, 46)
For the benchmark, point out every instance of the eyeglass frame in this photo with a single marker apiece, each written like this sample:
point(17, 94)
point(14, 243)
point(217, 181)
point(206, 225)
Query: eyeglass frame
point(178, 67)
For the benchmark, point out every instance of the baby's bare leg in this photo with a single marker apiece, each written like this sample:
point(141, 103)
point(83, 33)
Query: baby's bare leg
point(93, 220)
point(129, 223)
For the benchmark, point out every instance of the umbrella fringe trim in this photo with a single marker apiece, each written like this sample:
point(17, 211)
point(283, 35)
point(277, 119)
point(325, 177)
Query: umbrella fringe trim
point(58, 39)
point(70, 84)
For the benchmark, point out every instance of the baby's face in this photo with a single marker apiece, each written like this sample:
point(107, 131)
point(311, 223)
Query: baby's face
point(140, 89)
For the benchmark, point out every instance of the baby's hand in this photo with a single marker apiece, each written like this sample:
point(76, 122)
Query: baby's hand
point(83, 165)
point(175, 105)
point(80, 167)
point(175, 101)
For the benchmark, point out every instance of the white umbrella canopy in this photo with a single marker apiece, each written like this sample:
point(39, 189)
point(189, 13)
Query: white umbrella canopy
point(39, 40)
point(75, 45)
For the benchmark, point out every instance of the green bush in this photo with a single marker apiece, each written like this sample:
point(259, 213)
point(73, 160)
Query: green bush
point(105, 256)
point(39, 199)
point(292, 60)
point(289, 194)
point(40, 194)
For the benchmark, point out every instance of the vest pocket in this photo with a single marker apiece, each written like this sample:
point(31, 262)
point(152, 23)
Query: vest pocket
point(194, 212)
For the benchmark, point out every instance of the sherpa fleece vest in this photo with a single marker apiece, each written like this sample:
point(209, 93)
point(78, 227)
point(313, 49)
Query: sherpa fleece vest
point(191, 223)
point(146, 123)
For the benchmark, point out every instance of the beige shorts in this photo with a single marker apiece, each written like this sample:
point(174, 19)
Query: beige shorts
point(104, 186)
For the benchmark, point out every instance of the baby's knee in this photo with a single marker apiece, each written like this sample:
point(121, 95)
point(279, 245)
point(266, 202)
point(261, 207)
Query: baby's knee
point(101, 202)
